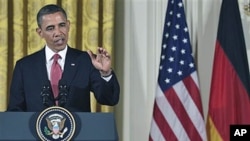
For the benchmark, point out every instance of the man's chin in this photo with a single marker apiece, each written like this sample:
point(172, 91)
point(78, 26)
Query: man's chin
point(59, 48)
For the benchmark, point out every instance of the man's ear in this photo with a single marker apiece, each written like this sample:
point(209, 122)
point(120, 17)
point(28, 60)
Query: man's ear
point(39, 31)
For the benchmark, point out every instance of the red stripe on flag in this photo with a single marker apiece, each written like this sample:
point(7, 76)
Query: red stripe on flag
point(150, 138)
point(194, 92)
point(182, 115)
point(163, 124)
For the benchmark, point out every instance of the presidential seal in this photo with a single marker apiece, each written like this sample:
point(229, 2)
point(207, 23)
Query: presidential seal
point(55, 123)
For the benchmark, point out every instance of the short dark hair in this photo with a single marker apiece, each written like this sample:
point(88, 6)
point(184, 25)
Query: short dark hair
point(48, 9)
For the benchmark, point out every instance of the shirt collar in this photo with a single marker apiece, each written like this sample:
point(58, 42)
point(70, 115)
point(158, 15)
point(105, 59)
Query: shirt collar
point(49, 53)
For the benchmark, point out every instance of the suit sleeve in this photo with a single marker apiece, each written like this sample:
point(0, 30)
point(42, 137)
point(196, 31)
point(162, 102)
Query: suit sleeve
point(16, 100)
point(106, 92)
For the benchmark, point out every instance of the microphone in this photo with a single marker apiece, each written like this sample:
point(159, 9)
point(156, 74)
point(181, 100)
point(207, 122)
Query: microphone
point(63, 93)
point(46, 94)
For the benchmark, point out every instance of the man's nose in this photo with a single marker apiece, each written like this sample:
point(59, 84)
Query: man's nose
point(57, 32)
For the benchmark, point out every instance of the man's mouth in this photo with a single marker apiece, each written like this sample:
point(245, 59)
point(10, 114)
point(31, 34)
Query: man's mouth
point(59, 41)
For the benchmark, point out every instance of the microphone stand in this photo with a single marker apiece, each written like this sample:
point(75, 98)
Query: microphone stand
point(63, 93)
point(46, 94)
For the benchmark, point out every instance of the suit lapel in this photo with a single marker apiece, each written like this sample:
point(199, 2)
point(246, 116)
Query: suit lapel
point(41, 65)
point(70, 66)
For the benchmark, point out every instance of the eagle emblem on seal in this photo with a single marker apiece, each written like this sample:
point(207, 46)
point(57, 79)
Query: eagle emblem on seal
point(55, 126)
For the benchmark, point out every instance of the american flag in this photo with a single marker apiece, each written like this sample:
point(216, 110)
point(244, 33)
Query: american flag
point(177, 113)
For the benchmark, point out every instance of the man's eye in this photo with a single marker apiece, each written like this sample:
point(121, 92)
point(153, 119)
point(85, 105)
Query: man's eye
point(50, 28)
point(63, 25)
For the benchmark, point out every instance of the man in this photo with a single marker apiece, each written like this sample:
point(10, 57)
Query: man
point(80, 72)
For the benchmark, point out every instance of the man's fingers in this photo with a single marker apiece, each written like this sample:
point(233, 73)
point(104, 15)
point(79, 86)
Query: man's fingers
point(91, 54)
point(103, 52)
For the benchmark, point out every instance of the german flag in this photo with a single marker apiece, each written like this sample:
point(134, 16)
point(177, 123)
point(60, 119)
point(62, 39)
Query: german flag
point(230, 86)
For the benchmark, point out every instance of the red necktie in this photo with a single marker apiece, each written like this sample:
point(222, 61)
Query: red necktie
point(55, 75)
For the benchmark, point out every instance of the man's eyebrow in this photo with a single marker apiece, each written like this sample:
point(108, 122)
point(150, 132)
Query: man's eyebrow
point(62, 23)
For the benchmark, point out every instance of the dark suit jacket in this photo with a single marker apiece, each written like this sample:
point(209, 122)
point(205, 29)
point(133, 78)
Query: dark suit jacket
point(30, 75)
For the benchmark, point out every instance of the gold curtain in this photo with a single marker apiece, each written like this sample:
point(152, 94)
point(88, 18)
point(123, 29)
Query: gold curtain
point(91, 26)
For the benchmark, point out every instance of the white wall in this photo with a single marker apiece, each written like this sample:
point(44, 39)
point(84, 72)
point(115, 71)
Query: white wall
point(138, 34)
